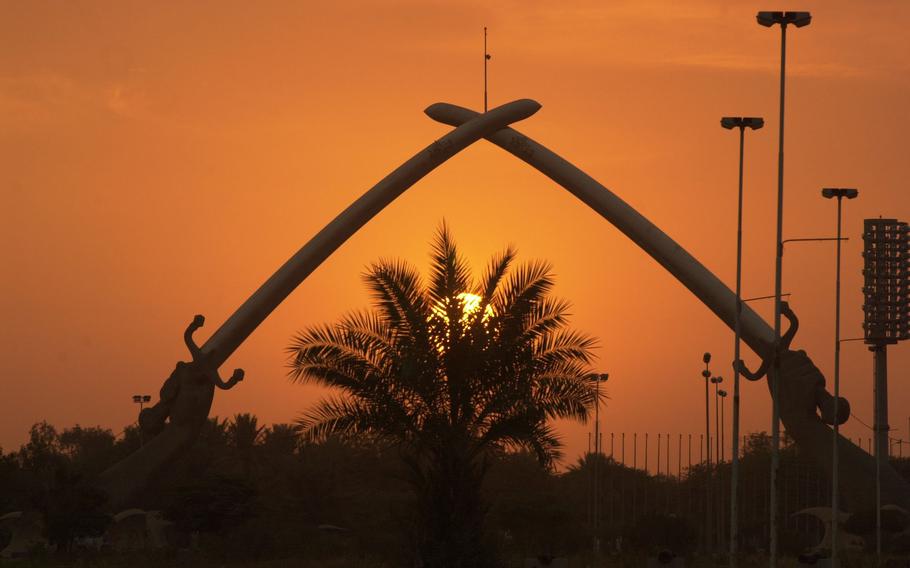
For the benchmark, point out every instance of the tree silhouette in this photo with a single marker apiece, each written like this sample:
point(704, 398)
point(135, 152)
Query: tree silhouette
point(244, 434)
point(450, 372)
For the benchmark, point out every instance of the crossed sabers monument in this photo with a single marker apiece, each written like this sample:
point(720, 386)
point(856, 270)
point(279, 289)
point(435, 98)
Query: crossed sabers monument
point(806, 408)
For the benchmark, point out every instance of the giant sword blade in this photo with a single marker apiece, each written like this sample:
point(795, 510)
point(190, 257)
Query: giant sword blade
point(248, 316)
point(174, 422)
point(803, 384)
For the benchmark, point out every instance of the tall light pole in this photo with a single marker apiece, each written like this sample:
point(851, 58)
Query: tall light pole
point(840, 194)
point(141, 400)
point(716, 381)
point(723, 395)
point(598, 378)
point(768, 19)
point(720, 472)
point(706, 358)
point(730, 122)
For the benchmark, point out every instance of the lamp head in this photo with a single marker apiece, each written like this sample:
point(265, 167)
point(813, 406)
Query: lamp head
point(798, 19)
point(722, 393)
point(832, 192)
point(768, 19)
point(706, 358)
point(706, 373)
point(147, 398)
point(730, 122)
point(753, 122)
point(137, 398)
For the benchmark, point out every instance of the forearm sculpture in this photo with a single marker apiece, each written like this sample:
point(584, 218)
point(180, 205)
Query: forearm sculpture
point(802, 395)
point(187, 395)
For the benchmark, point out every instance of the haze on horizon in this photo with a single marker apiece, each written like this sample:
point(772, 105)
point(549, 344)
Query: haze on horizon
point(162, 160)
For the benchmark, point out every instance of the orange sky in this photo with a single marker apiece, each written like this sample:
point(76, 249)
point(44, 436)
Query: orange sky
point(159, 160)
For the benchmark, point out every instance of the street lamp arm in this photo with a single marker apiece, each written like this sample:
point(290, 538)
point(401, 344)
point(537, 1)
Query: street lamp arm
point(814, 239)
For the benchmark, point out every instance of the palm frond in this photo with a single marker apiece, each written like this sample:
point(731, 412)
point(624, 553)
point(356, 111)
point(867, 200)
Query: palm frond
point(565, 395)
point(449, 273)
point(397, 291)
point(494, 274)
point(345, 416)
point(326, 355)
point(523, 289)
point(567, 345)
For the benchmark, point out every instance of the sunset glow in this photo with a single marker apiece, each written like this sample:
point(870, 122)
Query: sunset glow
point(470, 306)
point(161, 160)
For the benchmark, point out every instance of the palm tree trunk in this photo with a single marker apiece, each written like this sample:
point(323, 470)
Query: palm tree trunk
point(451, 512)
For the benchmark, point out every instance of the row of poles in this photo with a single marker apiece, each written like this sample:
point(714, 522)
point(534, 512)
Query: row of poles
point(669, 491)
point(784, 20)
point(663, 454)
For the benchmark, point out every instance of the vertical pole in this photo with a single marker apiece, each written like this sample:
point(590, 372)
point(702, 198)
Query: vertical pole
point(612, 484)
point(775, 383)
point(647, 473)
point(658, 452)
point(835, 487)
point(737, 331)
point(668, 473)
point(707, 439)
point(723, 402)
point(623, 449)
point(679, 458)
point(679, 504)
point(880, 371)
point(596, 504)
point(486, 57)
point(717, 522)
point(634, 477)
point(646, 452)
point(717, 452)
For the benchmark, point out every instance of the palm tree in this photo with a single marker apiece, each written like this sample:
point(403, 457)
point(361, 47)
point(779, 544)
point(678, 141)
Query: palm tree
point(244, 434)
point(450, 372)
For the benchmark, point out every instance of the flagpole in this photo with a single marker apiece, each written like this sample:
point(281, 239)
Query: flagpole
point(486, 57)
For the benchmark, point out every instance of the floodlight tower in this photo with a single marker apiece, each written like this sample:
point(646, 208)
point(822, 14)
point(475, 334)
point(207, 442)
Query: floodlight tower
point(768, 19)
point(886, 307)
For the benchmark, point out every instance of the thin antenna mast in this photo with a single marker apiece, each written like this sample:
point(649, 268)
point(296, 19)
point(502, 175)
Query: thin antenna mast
point(486, 57)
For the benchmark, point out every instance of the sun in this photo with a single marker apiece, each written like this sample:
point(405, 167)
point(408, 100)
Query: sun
point(470, 305)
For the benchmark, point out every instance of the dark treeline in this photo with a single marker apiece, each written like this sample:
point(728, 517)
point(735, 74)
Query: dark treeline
point(247, 491)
